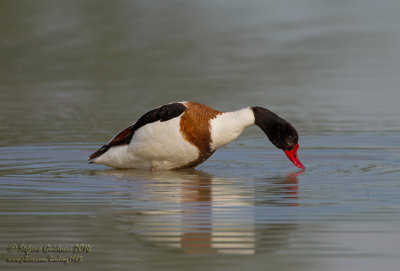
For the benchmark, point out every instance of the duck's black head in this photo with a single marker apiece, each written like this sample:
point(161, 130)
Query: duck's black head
point(279, 131)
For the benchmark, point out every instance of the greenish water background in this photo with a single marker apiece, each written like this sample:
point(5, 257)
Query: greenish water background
point(74, 73)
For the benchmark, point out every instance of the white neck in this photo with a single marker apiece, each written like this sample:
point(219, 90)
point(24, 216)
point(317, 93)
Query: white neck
point(226, 127)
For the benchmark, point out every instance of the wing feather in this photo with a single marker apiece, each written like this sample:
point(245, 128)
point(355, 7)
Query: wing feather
point(163, 113)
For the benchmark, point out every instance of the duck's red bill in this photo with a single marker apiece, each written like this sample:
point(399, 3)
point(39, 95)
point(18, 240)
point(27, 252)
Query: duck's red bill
point(292, 155)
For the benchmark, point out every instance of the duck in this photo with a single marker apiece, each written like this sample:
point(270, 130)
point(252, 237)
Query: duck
point(185, 134)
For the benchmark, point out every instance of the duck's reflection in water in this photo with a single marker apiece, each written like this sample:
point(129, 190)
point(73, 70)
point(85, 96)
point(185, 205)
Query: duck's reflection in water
point(200, 214)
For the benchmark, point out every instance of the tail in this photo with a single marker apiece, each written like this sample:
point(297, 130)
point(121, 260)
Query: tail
point(98, 153)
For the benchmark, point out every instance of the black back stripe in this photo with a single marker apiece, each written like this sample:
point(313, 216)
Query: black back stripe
point(163, 113)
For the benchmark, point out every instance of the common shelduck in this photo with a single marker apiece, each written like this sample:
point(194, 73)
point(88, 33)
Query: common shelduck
point(185, 134)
